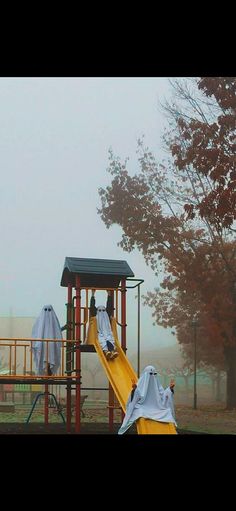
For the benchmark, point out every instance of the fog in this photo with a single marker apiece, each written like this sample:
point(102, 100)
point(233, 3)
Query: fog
point(55, 134)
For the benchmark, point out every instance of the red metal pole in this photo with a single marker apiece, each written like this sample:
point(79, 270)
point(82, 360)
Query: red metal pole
point(46, 405)
point(78, 361)
point(111, 391)
point(68, 356)
point(69, 313)
point(123, 314)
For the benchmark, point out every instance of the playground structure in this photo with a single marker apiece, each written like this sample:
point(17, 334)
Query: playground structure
point(80, 276)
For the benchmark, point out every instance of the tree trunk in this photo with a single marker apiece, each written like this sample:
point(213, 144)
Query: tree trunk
point(230, 359)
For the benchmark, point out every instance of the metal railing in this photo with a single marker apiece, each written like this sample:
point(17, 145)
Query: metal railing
point(18, 361)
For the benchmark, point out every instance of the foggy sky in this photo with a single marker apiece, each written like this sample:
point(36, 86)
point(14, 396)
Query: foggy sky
point(55, 134)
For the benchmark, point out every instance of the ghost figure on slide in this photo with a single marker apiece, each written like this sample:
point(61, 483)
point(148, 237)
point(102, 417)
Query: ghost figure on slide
point(149, 400)
point(105, 335)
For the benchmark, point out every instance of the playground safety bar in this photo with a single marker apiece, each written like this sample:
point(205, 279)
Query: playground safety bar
point(15, 345)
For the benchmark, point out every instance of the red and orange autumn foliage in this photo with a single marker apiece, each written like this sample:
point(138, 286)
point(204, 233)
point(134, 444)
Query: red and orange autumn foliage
point(210, 147)
point(181, 217)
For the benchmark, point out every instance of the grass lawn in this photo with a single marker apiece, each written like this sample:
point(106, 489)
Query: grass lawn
point(211, 419)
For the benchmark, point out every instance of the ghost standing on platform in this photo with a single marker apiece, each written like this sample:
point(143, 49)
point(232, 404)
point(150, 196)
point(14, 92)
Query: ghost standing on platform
point(47, 326)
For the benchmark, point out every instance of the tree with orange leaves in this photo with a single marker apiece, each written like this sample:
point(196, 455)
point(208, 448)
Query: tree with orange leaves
point(208, 143)
point(156, 209)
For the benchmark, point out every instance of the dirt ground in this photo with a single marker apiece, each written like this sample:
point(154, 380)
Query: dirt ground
point(209, 419)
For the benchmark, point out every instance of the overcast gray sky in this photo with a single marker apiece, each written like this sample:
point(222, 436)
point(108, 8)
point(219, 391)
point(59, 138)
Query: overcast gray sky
point(54, 139)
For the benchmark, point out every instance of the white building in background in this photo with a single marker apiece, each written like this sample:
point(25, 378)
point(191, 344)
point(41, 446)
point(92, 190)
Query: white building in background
point(11, 326)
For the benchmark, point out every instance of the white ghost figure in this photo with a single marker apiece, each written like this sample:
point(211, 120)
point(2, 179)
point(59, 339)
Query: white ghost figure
point(150, 401)
point(104, 328)
point(47, 326)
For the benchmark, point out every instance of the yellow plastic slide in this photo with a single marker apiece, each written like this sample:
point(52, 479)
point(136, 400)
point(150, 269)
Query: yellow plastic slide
point(120, 375)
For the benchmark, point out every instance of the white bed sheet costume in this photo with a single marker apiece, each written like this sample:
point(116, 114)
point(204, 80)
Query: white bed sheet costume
point(104, 328)
point(150, 401)
point(47, 326)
